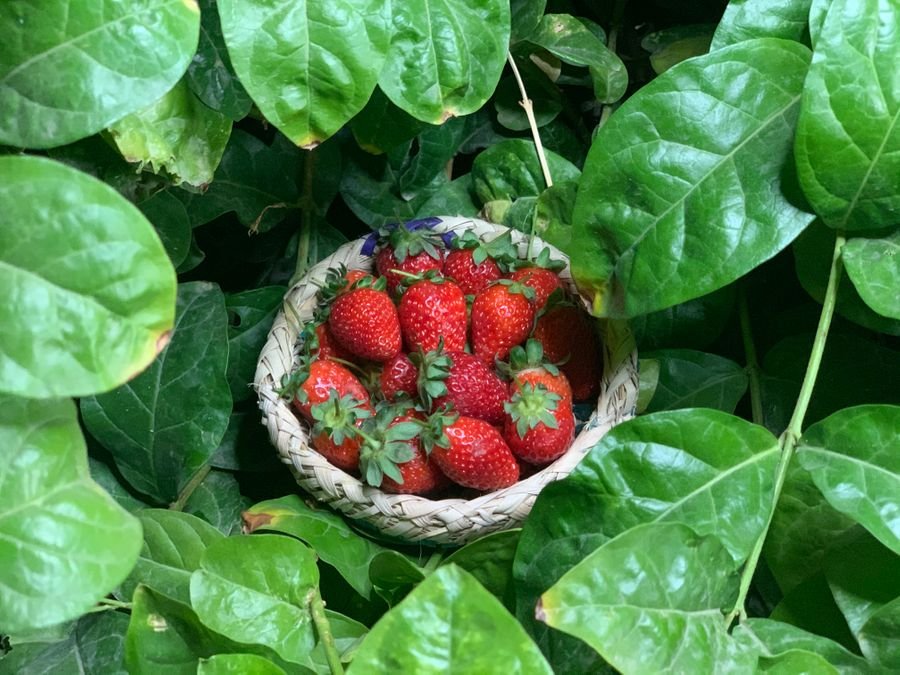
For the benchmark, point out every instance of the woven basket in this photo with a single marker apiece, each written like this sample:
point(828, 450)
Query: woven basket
point(412, 518)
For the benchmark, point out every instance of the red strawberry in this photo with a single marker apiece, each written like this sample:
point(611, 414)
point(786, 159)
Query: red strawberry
point(420, 474)
point(502, 317)
point(432, 310)
point(327, 345)
point(542, 280)
point(398, 376)
point(412, 251)
point(566, 332)
point(314, 382)
point(473, 454)
point(462, 381)
point(334, 434)
point(364, 322)
point(527, 366)
point(539, 425)
point(352, 276)
point(472, 277)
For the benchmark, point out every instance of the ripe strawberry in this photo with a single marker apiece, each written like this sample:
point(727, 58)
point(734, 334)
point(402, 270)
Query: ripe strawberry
point(474, 264)
point(527, 366)
point(364, 322)
point(326, 346)
point(473, 454)
point(314, 381)
point(567, 335)
point(502, 317)
point(539, 425)
point(420, 475)
point(462, 381)
point(413, 251)
point(390, 440)
point(352, 276)
point(432, 310)
point(334, 434)
point(542, 280)
point(398, 376)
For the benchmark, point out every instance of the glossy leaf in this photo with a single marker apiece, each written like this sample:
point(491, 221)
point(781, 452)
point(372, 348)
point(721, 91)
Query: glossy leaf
point(177, 135)
point(393, 575)
point(170, 218)
point(691, 379)
point(238, 664)
point(436, 147)
point(131, 53)
point(65, 543)
point(96, 646)
point(672, 207)
point(104, 477)
point(255, 590)
point(251, 314)
point(348, 635)
point(381, 126)
point(649, 379)
point(525, 15)
point(446, 56)
point(156, 427)
point(89, 289)
point(879, 636)
point(490, 560)
point(218, 501)
point(566, 37)
point(173, 545)
point(210, 75)
point(749, 19)
point(545, 97)
point(873, 266)
point(854, 459)
point(456, 198)
point(848, 138)
point(449, 623)
point(510, 170)
point(652, 608)
point(672, 46)
point(308, 66)
point(333, 540)
point(695, 324)
point(818, 10)
point(246, 446)
point(553, 214)
point(811, 606)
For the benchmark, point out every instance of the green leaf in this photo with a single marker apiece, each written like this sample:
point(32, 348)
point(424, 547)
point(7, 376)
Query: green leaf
point(796, 661)
point(553, 215)
point(818, 10)
point(691, 379)
point(251, 313)
point(695, 324)
point(348, 635)
point(449, 623)
point(210, 75)
point(672, 46)
point(218, 501)
point(177, 135)
point(173, 545)
point(446, 56)
point(848, 138)
point(246, 446)
point(89, 291)
point(566, 37)
point(238, 664)
point(96, 646)
point(64, 542)
point(879, 636)
point(130, 53)
point(159, 431)
point(172, 224)
point(749, 19)
point(309, 66)
point(652, 608)
point(649, 379)
point(393, 575)
point(381, 126)
point(255, 590)
point(490, 560)
point(104, 477)
point(335, 543)
point(854, 459)
point(873, 266)
point(510, 170)
point(811, 606)
point(437, 146)
point(456, 198)
point(546, 100)
point(705, 183)
point(525, 15)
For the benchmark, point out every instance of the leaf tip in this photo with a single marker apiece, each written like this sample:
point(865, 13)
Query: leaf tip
point(254, 521)
point(163, 341)
point(539, 612)
point(192, 5)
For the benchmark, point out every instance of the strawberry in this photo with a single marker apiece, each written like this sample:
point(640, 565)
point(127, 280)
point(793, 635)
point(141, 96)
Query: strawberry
point(325, 346)
point(502, 317)
point(473, 265)
point(567, 335)
point(471, 453)
point(539, 425)
point(432, 310)
point(314, 381)
point(398, 376)
point(334, 432)
point(527, 366)
point(542, 280)
point(413, 251)
point(364, 322)
point(462, 381)
point(353, 276)
point(420, 475)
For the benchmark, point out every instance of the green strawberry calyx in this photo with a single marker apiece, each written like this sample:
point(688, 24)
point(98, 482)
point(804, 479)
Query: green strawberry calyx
point(531, 406)
point(387, 444)
point(338, 416)
point(434, 368)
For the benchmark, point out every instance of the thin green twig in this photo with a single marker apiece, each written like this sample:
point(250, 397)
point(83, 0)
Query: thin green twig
point(188, 490)
point(753, 369)
point(323, 628)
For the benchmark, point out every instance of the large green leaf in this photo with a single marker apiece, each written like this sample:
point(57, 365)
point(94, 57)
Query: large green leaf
point(510, 169)
point(873, 266)
point(880, 636)
point(490, 560)
point(682, 190)
point(96, 646)
point(334, 541)
point(854, 459)
point(68, 69)
point(157, 427)
point(652, 608)
point(692, 379)
point(104, 476)
point(172, 223)
point(449, 623)
point(251, 313)
point(446, 56)
point(749, 19)
point(89, 291)
point(173, 545)
point(177, 135)
point(382, 126)
point(811, 606)
point(310, 66)
point(436, 147)
point(64, 542)
point(256, 590)
point(848, 138)
point(238, 664)
point(566, 37)
point(218, 501)
point(695, 324)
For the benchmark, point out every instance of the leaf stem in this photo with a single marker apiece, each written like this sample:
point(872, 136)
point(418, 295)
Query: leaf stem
point(532, 123)
point(188, 490)
point(306, 221)
point(104, 604)
point(433, 561)
point(323, 628)
point(789, 439)
point(753, 369)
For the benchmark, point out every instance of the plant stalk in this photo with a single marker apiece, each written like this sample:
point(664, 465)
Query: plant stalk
point(188, 490)
point(753, 369)
point(790, 438)
point(532, 122)
point(323, 628)
point(306, 225)
point(434, 560)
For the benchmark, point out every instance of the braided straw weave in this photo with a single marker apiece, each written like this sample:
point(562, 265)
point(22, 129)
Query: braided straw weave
point(410, 517)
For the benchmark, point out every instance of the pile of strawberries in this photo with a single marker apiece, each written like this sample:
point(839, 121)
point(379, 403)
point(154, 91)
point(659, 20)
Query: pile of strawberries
point(457, 362)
